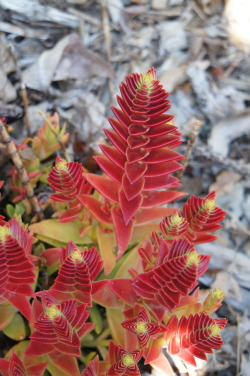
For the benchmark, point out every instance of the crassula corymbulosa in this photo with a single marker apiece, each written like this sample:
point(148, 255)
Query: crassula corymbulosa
point(128, 288)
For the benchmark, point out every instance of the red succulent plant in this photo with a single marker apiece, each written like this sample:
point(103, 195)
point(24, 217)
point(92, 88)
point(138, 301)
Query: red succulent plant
point(163, 286)
point(123, 363)
point(78, 270)
point(150, 295)
point(140, 162)
point(142, 326)
point(194, 336)
point(67, 179)
point(16, 268)
point(15, 367)
point(58, 326)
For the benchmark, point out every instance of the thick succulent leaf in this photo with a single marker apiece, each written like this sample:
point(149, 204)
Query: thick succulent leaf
point(20, 302)
point(115, 318)
point(62, 364)
point(103, 295)
point(7, 312)
point(124, 290)
point(96, 208)
point(16, 329)
point(162, 366)
point(107, 187)
point(61, 232)
point(107, 243)
point(123, 231)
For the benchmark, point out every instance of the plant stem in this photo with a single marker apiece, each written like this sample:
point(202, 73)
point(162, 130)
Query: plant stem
point(15, 157)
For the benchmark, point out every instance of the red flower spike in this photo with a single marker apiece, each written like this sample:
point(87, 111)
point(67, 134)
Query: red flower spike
point(59, 327)
point(174, 226)
point(142, 140)
point(142, 327)
point(16, 268)
point(78, 270)
point(15, 367)
point(122, 362)
point(203, 216)
point(194, 336)
point(22, 235)
point(68, 179)
point(165, 284)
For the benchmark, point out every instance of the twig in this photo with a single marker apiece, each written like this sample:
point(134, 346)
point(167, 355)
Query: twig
point(15, 157)
point(238, 351)
point(236, 165)
point(48, 122)
point(86, 17)
point(195, 128)
point(107, 37)
point(24, 93)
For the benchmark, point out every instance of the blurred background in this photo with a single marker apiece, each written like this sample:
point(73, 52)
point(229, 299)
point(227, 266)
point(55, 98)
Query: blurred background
point(69, 56)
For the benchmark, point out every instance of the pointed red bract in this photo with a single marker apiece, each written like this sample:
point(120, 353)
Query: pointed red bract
point(175, 277)
point(68, 180)
point(203, 216)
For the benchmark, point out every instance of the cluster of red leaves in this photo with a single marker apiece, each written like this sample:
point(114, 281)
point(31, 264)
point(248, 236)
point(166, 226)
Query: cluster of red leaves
point(68, 180)
point(194, 336)
point(15, 367)
point(138, 165)
point(17, 266)
point(159, 303)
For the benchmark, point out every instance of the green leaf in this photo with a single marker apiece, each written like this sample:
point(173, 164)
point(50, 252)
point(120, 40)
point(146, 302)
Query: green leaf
point(7, 312)
point(96, 318)
point(19, 209)
point(115, 318)
point(58, 234)
point(10, 210)
point(107, 243)
point(141, 231)
point(130, 262)
point(62, 364)
point(16, 329)
point(18, 349)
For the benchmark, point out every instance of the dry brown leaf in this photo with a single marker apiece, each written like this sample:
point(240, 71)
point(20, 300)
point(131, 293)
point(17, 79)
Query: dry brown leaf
point(174, 77)
point(69, 59)
point(225, 182)
point(226, 131)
